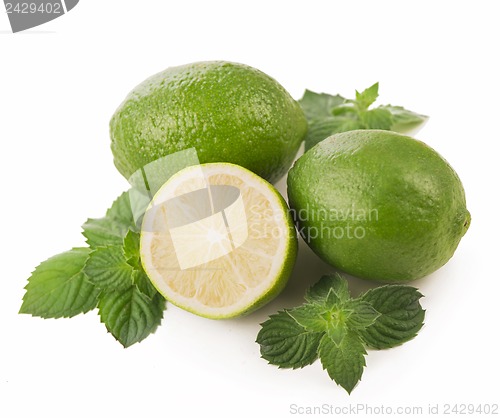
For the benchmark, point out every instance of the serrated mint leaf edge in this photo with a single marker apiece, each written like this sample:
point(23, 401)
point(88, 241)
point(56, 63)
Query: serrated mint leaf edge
point(113, 227)
point(280, 348)
point(107, 268)
point(367, 97)
point(388, 332)
point(329, 353)
point(115, 305)
point(85, 304)
point(318, 105)
point(319, 293)
point(362, 314)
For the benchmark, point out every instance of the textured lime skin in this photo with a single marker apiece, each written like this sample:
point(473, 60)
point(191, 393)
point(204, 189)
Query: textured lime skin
point(407, 205)
point(229, 112)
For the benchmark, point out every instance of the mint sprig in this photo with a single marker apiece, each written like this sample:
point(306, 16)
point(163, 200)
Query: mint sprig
point(108, 274)
point(337, 328)
point(328, 115)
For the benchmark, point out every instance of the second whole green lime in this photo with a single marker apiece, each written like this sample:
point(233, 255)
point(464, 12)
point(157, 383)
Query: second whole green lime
point(228, 112)
point(378, 205)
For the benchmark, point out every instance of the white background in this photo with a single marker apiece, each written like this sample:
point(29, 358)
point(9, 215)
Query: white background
point(61, 82)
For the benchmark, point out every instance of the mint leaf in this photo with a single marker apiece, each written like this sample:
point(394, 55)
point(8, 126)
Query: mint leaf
point(319, 105)
point(141, 280)
point(319, 318)
point(310, 316)
point(285, 343)
point(131, 250)
point(367, 97)
point(362, 314)
point(345, 362)
point(401, 315)
point(129, 315)
point(377, 119)
point(108, 269)
point(337, 330)
point(111, 229)
point(404, 120)
point(58, 287)
point(320, 129)
point(320, 292)
point(101, 232)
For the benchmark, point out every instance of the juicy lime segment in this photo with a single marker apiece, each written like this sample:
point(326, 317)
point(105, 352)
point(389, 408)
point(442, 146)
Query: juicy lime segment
point(218, 241)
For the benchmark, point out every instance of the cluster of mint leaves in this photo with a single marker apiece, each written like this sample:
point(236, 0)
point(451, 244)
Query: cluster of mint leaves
point(337, 328)
point(327, 115)
point(107, 274)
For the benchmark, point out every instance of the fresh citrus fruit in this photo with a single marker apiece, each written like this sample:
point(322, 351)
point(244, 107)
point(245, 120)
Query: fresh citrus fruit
point(378, 205)
point(229, 112)
point(218, 240)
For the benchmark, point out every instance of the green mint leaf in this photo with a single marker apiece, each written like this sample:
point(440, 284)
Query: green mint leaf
point(345, 362)
point(367, 97)
point(141, 280)
point(131, 249)
point(310, 316)
point(328, 291)
point(132, 255)
point(285, 343)
point(347, 109)
point(58, 287)
point(376, 119)
point(362, 314)
point(401, 315)
point(320, 129)
point(337, 330)
point(319, 105)
point(129, 315)
point(329, 317)
point(404, 120)
point(108, 269)
point(112, 229)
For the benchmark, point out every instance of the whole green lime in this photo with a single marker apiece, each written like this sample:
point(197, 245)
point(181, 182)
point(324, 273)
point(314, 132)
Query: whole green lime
point(378, 205)
point(228, 112)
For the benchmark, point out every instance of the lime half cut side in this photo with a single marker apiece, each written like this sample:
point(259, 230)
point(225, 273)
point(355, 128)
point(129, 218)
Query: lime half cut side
point(217, 240)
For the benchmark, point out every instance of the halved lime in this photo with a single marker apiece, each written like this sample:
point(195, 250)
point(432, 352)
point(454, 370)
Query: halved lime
point(217, 240)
